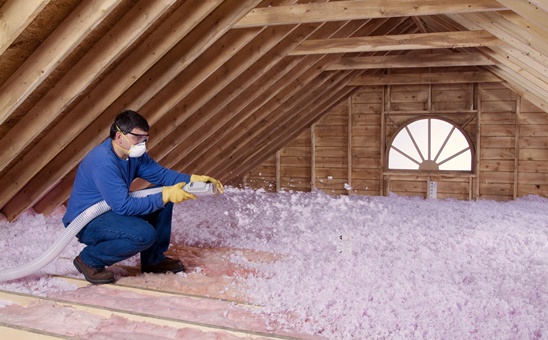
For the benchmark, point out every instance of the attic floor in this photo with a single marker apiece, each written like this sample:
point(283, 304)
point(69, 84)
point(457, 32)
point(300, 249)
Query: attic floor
point(206, 302)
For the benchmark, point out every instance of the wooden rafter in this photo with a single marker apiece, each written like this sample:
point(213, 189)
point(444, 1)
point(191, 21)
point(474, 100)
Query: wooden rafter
point(359, 10)
point(228, 12)
point(259, 123)
point(411, 61)
point(225, 83)
point(77, 80)
point(520, 64)
point(52, 52)
point(137, 63)
point(201, 117)
point(426, 78)
point(418, 41)
point(283, 135)
point(534, 11)
point(15, 17)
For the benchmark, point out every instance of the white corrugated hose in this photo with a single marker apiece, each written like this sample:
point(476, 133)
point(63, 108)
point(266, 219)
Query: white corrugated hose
point(197, 188)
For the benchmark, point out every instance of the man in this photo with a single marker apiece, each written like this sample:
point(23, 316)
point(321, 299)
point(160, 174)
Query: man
point(134, 225)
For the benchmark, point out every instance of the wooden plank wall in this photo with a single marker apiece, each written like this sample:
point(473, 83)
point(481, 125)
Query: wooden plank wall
point(498, 147)
point(532, 145)
point(331, 151)
point(366, 140)
point(344, 150)
point(453, 102)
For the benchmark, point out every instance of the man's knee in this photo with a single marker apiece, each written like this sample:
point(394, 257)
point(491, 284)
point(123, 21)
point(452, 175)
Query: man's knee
point(145, 234)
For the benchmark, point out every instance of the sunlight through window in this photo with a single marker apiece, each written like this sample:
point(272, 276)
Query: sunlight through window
point(431, 145)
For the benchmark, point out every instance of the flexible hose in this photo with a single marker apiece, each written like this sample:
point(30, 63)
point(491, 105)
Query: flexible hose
point(70, 232)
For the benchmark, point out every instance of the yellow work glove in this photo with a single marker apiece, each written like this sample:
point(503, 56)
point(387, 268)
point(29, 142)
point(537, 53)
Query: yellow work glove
point(176, 194)
point(206, 179)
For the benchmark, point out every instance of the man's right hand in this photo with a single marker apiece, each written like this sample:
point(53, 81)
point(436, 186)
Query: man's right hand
point(176, 194)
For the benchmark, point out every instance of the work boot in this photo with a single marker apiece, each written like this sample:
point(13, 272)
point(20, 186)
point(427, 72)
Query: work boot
point(166, 265)
point(93, 275)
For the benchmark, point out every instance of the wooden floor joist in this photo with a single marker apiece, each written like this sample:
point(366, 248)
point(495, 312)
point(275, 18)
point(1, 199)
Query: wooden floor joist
point(15, 332)
point(208, 298)
point(26, 300)
point(153, 292)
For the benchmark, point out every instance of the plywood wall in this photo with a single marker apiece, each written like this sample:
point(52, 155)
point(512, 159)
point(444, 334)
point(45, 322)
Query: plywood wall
point(345, 151)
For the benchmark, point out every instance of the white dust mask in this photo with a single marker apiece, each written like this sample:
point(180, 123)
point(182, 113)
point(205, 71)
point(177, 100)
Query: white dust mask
point(137, 150)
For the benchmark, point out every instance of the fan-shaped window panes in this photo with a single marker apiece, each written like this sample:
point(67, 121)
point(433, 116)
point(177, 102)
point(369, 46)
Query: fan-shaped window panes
point(430, 144)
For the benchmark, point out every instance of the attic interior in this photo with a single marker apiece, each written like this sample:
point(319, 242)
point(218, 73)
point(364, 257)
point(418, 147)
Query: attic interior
point(287, 95)
point(226, 84)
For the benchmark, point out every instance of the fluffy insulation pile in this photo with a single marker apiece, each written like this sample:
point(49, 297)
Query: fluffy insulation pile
point(353, 267)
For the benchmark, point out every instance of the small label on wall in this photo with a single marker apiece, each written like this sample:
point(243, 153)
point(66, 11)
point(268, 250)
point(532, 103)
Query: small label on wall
point(433, 190)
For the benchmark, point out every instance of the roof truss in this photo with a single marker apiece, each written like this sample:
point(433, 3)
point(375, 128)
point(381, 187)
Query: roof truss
point(225, 83)
point(359, 10)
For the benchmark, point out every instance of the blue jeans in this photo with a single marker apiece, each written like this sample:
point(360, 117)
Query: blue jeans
point(111, 238)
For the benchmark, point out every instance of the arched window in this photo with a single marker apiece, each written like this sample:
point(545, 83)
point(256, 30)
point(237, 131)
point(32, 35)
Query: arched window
point(430, 144)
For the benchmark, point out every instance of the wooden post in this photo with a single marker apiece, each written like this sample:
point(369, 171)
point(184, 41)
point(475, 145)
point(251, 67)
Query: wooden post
point(245, 181)
point(516, 147)
point(349, 145)
point(385, 92)
point(479, 106)
point(313, 157)
point(278, 171)
point(470, 187)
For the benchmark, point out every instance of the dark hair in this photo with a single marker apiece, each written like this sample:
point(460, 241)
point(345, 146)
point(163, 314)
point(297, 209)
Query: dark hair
point(127, 121)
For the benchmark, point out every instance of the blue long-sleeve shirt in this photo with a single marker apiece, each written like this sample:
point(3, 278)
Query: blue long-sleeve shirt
point(102, 175)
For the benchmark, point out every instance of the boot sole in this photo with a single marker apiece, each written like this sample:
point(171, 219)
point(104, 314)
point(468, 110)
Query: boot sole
point(90, 280)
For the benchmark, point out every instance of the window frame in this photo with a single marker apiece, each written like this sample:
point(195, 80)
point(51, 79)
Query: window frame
point(419, 171)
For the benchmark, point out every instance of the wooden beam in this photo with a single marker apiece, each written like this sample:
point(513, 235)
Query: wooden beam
point(310, 114)
point(259, 128)
point(80, 76)
point(15, 15)
point(526, 43)
point(313, 157)
point(478, 149)
point(425, 78)
point(125, 312)
point(524, 29)
point(51, 53)
point(278, 171)
point(411, 61)
point(398, 42)
point(187, 50)
point(534, 11)
point(20, 332)
point(267, 97)
point(523, 88)
point(191, 47)
point(419, 24)
point(56, 196)
point(217, 92)
point(518, 62)
point(257, 96)
point(516, 147)
point(349, 142)
point(359, 10)
point(279, 99)
point(382, 161)
point(87, 131)
point(207, 120)
point(173, 127)
point(175, 124)
point(543, 5)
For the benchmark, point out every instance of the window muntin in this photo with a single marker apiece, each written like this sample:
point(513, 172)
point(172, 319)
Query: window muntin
point(430, 144)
